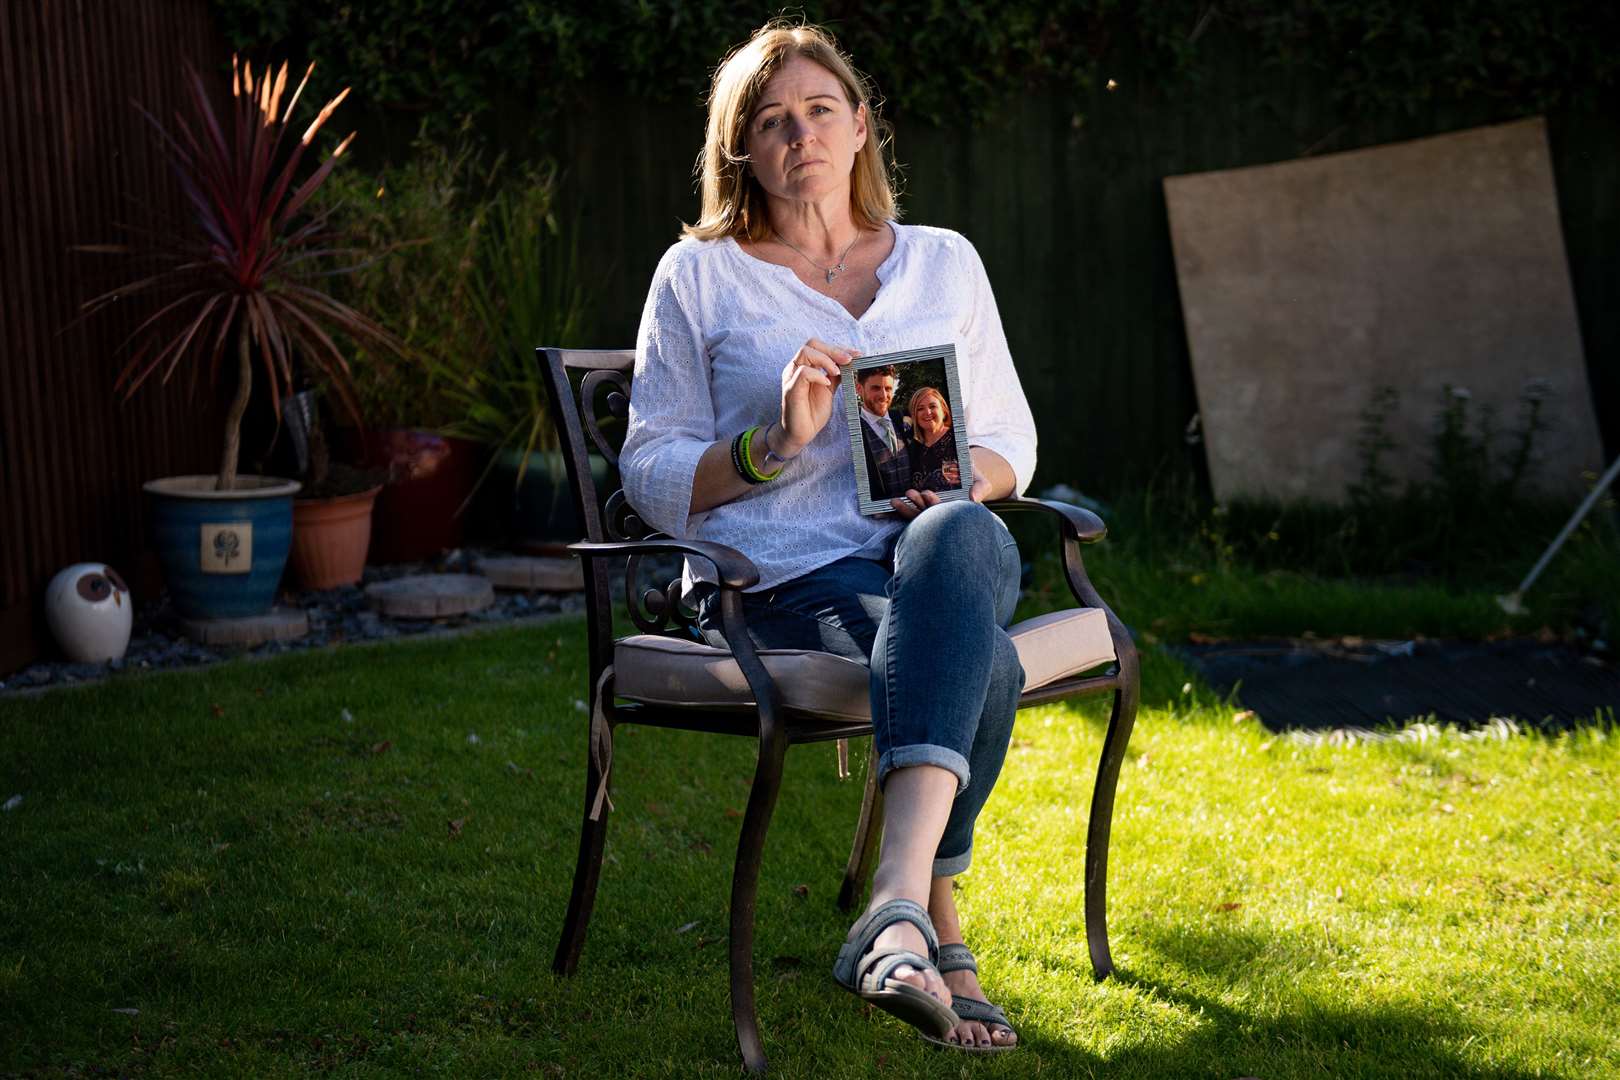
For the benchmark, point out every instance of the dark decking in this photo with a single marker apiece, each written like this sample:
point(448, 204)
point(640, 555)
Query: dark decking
point(1317, 686)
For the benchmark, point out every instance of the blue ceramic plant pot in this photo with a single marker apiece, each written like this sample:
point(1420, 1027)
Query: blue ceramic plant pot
point(222, 551)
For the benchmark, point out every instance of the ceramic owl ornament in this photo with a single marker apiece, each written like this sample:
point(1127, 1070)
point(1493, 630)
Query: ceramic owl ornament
point(90, 612)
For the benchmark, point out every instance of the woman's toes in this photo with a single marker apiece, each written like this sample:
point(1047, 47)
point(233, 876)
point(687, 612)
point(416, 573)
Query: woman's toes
point(937, 987)
point(1002, 1036)
point(926, 981)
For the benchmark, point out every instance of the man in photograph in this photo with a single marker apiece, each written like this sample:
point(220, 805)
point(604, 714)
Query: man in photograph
point(885, 435)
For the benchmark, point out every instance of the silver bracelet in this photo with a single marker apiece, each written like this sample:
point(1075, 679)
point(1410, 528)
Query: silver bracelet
point(772, 455)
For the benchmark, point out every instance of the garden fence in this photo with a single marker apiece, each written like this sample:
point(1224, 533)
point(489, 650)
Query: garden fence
point(76, 160)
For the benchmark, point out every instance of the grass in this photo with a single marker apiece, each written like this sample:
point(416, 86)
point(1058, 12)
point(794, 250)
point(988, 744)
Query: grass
point(1174, 567)
point(308, 864)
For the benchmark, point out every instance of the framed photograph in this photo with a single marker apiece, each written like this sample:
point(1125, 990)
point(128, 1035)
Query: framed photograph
point(906, 426)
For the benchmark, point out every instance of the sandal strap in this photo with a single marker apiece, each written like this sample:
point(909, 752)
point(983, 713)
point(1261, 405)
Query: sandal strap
point(957, 958)
point(878, 967)
point(869, 926)
point(982, 1011)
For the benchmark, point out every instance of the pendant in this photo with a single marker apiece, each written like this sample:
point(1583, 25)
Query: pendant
point(834, 272)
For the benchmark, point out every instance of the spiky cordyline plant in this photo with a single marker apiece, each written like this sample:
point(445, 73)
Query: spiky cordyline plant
point(244, 267)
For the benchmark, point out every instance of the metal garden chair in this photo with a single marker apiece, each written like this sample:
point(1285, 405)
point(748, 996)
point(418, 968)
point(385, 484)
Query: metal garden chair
point(667, 676)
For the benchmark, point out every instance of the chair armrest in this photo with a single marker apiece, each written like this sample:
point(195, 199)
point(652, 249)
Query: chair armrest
point(1076, 523)
point(1077, 526)
point(736, 570)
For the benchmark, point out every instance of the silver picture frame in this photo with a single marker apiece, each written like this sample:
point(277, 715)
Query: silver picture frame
point(932, 368)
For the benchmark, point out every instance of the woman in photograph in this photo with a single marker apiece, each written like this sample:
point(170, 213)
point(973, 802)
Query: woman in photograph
point(797, 265)
point(933, 443)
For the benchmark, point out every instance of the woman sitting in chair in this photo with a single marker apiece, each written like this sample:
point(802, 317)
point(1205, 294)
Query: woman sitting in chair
point(798, 257)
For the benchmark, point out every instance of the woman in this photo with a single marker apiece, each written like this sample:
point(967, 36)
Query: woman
point(933, 445)
point(798, 257)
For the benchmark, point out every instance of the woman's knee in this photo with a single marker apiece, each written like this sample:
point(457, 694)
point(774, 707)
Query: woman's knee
point(1006, 673)
point(958, 529)
point(959, 517)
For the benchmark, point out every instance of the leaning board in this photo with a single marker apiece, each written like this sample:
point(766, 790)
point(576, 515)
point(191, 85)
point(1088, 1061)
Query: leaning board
point(1308, 285)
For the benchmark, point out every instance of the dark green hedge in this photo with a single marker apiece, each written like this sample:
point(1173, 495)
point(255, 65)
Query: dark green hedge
point(940, 60)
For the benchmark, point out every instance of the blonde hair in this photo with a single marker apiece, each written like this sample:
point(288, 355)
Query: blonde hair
point(733, 201)
point(922, 392)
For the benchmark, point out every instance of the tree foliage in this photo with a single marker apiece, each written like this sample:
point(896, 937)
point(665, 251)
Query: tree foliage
point(941, 60)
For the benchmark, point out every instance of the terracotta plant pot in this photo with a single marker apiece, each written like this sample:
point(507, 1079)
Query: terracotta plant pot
point(330, 539)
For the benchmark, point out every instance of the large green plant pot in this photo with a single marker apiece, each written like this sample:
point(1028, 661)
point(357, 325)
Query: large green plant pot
point(222, 551)
point(538, 514)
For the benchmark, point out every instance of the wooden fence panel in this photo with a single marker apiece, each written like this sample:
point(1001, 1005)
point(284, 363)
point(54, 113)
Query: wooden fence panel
point(76, 161)
point(1070, 219)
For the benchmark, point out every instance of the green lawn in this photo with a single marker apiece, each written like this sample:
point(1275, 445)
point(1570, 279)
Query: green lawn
point(307, 864)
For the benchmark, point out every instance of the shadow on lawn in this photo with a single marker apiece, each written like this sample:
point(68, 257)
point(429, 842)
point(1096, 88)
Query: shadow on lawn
point(1319, 1030)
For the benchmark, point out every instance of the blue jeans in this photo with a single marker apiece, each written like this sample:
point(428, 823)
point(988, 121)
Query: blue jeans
point(928, 620)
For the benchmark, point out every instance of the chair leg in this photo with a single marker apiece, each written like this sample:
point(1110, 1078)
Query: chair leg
point(744, 891)
point(868, 831)
point(587, 868)
point(1120, 722)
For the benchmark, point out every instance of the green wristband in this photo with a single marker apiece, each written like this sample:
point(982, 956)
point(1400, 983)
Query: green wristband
point(748, 458)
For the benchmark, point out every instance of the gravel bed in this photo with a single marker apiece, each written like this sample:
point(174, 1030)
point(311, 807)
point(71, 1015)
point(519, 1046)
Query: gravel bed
point(335, 615)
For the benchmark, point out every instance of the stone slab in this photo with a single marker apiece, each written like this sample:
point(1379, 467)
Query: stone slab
point(431, 596)
point(1308, 285)
point(533, 573)
point(278, 624)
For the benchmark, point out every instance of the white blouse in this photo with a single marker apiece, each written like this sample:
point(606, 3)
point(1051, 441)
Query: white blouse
point(719, 327)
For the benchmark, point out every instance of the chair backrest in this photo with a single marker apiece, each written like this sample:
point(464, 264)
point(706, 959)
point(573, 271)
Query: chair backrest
point(590, 408)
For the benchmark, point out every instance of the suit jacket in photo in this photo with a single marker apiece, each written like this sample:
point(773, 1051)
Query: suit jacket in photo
point(889, 471)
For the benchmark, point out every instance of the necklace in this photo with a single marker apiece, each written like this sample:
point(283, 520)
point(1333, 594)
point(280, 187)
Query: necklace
point(831, 271)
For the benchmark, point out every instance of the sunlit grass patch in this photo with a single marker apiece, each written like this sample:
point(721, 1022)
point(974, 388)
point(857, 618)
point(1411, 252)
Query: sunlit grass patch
point(357, 861)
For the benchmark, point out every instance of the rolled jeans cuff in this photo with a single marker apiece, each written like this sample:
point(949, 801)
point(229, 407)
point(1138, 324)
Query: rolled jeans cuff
point(951, 865)
point(902, 757)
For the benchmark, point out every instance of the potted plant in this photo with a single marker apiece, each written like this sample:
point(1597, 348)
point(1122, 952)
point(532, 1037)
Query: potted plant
point(526, 292)
point(429, 207)
point(242, 277)
point(332, 510)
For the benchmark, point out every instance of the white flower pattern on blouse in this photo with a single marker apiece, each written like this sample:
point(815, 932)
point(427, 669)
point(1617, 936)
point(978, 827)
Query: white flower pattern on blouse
point(718, 327)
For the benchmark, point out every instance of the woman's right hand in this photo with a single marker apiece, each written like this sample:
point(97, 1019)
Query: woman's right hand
point(808, 384)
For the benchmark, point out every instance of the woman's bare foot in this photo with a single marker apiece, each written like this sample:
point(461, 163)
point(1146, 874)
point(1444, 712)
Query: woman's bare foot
point(916, 802)
point(903, 935)
point(963, 983)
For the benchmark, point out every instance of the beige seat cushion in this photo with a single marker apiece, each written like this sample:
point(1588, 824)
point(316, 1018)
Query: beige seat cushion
point(669, 671)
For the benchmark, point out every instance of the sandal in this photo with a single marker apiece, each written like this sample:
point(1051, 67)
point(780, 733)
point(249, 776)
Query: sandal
point(960, 958)
point(866, 974)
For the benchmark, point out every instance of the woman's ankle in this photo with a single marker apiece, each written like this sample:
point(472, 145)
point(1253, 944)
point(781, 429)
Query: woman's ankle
point(942, 910)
